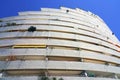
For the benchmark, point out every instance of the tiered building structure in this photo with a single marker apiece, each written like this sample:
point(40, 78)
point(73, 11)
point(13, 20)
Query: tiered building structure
point(66, 44)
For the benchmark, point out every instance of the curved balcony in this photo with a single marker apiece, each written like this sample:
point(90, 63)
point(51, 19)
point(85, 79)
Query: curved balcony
point(57, 77)
point(61, 65)
point(24, 53)
point(64, 43)
point(60, 35)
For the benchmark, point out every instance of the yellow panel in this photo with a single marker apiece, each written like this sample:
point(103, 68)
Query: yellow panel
point(29, 46)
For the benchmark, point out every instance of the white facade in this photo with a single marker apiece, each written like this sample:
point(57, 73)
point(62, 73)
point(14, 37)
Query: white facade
point(68, 43)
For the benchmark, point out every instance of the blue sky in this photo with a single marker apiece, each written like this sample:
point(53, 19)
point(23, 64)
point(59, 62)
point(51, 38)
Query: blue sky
point(108, 10)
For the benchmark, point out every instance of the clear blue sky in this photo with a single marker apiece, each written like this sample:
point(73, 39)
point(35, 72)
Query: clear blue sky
point(108, 10)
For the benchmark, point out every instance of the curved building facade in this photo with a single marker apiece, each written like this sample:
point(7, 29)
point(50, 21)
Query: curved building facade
point(66, 44)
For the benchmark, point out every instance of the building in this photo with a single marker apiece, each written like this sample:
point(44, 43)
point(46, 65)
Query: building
point(67, 44)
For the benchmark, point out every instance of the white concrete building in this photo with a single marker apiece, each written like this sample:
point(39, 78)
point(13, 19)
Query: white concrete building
point(71, 44)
